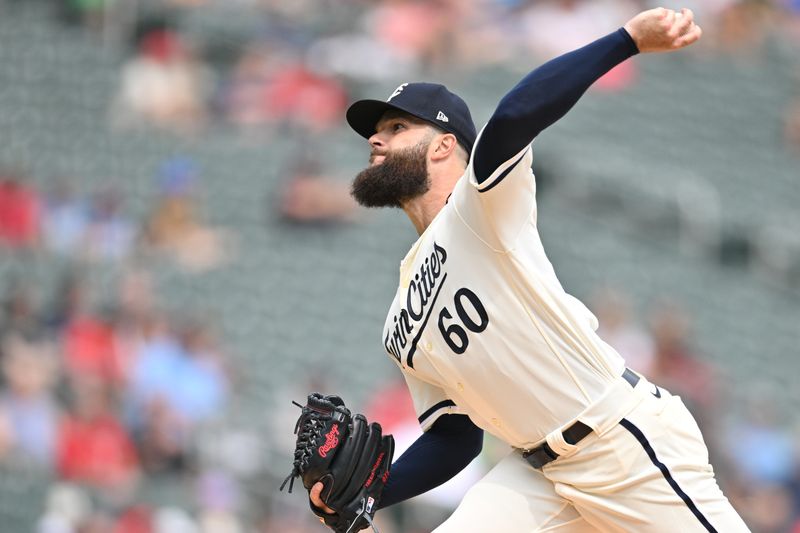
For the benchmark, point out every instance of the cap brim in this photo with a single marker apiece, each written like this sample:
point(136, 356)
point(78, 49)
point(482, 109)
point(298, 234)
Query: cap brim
point(365, 114)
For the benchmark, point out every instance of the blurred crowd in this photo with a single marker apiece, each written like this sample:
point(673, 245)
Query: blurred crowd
point(298, 63)
point(103, 395)
point(88, 390)
point(94, 226)
point(106, 393)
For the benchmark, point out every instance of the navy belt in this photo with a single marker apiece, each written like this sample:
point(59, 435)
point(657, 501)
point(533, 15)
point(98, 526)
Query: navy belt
point(543, 454)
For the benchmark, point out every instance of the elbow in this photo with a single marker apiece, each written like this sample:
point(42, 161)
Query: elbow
point(475, 444)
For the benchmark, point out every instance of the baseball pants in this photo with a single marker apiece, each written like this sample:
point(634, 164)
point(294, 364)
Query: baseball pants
point(648, 472)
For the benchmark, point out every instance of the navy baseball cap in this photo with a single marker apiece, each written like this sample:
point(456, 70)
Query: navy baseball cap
point(430, 102)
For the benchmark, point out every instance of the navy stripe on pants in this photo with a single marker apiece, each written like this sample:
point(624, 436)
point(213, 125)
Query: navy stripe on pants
point(636, 432)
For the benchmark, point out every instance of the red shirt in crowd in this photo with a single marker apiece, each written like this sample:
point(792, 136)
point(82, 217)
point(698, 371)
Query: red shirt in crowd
point(19, 214)
point(90, 349)
point(96, 451)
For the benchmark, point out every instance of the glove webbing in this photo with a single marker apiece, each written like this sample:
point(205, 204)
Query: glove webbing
point(301, 454)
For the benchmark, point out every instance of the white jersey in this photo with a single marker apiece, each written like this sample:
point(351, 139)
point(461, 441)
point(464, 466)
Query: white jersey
point(480, 324)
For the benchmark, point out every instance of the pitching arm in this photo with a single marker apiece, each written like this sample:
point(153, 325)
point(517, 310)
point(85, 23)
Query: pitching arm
point(544, 96)
point(549, 92)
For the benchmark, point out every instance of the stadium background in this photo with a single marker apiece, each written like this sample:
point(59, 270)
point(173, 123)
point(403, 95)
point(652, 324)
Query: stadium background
point(179, 257)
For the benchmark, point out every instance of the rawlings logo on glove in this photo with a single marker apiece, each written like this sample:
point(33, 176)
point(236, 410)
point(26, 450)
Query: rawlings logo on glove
point(331, 441)
point(352, 461)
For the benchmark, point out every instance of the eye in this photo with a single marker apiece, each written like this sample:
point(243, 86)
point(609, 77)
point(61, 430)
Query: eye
point(397, 126)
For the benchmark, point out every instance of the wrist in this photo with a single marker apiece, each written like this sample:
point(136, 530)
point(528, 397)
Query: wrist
point(627, 32)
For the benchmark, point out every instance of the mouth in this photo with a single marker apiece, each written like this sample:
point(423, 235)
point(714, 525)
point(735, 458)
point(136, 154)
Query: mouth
point(376, 159)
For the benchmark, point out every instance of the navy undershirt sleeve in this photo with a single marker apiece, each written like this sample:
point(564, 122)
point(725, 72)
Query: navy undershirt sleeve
point(440, 453)
point(544, 96)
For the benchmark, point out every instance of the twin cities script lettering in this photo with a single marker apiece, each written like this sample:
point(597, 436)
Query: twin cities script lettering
point(421, 295)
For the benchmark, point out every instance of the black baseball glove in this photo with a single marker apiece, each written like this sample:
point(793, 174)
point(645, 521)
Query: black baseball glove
point(349, 456)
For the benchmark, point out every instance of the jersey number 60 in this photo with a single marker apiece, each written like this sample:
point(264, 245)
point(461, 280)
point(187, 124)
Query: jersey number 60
point(454, 335)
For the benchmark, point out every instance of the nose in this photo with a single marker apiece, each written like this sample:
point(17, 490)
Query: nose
point(375, 141)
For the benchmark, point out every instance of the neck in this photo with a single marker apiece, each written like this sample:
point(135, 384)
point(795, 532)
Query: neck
point(423, 209)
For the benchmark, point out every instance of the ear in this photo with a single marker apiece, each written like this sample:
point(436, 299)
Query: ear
point(442, 146)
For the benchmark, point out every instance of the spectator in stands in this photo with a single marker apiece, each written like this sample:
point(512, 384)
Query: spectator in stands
point(402, 37)
point(768, 509)
point(110, 234)
point(64, 219)
point(300, 97)
point(219, 499)
point(416, 29)
point(93, 446)
point(744, 26)
point(20, 211)
point(158, 353)
point(71, 300)
point(27, 401)
point(273, 85)
point(20, 315)
point(555, 27)
point(163, 85)
point(164, 410)
point(766, 433)
point(175, 226)
point(135, 519)
point(242, 97)
point(66, 508)
point(90, 349)
point(308, 196)
point(678, 368)
point(202, 391)
point(135, 305)
point(617, 328)
point(163, 439)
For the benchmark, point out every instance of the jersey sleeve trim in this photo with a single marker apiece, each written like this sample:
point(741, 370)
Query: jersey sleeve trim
point(502, 175)
point(500, 172)
point(430, 416)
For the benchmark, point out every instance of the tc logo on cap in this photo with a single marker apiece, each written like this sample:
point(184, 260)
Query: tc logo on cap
point(397, 91)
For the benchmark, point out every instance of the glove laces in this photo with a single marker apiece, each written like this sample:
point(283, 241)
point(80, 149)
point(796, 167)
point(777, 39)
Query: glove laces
point(308, 432)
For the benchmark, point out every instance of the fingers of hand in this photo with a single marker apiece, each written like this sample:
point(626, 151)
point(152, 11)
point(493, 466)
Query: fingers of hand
point(683, 30)
point(666, 17)
point(692, 36)
point(683, 24)
point(316, 499)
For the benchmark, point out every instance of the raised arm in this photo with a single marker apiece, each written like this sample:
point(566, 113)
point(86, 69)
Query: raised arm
point(549, 92)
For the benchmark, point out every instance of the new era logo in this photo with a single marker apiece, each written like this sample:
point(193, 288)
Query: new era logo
point(441, 116)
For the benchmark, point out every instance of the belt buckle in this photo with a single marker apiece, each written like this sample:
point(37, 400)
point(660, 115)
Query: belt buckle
point(540, 456)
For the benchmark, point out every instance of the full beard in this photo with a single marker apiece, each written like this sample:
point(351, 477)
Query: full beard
point(401, 176)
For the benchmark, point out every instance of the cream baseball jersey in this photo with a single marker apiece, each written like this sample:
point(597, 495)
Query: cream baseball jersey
point(480, 325)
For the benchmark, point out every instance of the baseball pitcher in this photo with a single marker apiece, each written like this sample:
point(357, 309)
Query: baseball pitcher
point(488, 340)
